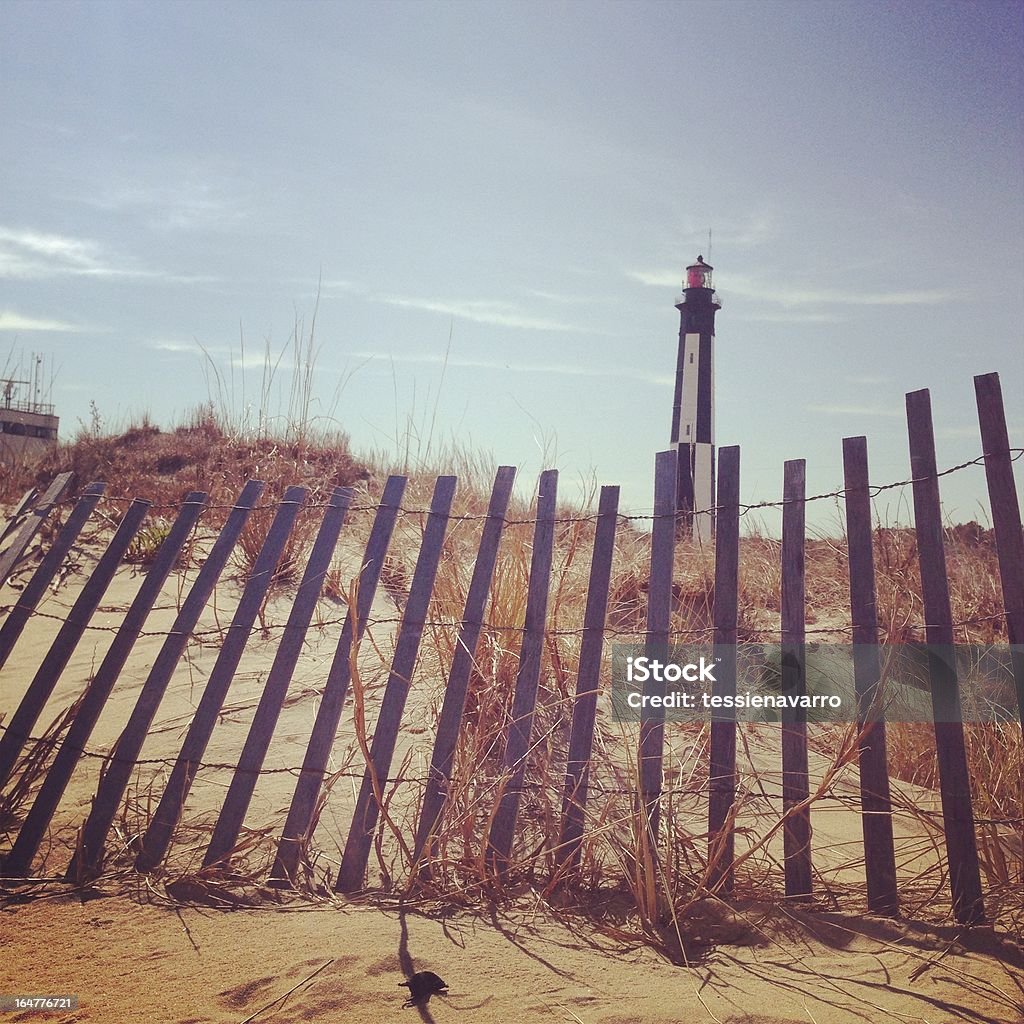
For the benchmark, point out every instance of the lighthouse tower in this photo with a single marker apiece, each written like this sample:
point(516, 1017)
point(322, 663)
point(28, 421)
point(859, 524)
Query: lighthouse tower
point(693, 411)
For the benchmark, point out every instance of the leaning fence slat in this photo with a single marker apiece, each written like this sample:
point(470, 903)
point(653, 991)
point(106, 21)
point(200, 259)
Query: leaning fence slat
point(16, 518)
point(722, 771)
point(19, 727)
point(19, 860)
point(88, 857)
point(584, 711)
point(302, 812)
point(995, 443)
point(243, 782)
point(385, 734)
point(443, 756)
point(876, 806)
point(954, 778)
point(517, 742)
point(659, 611)
point(36, 587)
point(53, 494)
point(795, 784)
point(158, 835)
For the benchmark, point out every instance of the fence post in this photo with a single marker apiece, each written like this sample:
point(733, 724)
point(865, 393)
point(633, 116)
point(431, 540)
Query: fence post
point(581, 736)
point(524, 701)
point(364, 821)
point(722, 769)
point(301, 819)
point(876, 807)
point(18, 729)
point(54, 493)
point(19, 860)
point(1002, 492)
point(158, 835)
point(47, 569)
point(88, 857)
point(261, 730)
point(795, 785)
point(954, 778)
point(443, 757)
point(659, 612)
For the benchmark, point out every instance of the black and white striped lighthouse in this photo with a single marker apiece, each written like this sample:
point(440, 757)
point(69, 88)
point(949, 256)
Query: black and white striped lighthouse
point(693, 410)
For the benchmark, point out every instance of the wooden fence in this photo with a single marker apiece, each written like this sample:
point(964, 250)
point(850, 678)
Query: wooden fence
point(18, 738)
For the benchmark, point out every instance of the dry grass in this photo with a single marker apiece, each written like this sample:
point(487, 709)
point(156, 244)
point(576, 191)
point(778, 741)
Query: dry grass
point(635, 889)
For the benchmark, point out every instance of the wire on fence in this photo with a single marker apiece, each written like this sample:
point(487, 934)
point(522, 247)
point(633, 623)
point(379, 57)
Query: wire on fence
point(874, 490)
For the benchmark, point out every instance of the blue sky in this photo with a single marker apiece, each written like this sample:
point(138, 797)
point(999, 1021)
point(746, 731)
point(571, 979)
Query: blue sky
point(520, 185)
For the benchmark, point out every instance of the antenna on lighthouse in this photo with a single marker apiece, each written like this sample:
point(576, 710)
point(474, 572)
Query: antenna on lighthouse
point(709, 245)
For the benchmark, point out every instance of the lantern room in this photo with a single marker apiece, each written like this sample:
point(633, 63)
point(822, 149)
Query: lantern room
point(698, 275)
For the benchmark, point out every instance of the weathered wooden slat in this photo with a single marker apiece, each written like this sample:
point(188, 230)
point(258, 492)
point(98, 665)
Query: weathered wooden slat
point(443, 756)
point(364, 821)
point(517, 742)
point(302, 811)
point(53, 494)
point(659, 611)
point(876, 806)
point(47, 569)
point(18, 729)
point(14, 520)
point(795, 785)
point(119, 767)
point(954, 778)
point(257, 743)
point(19, 860)
point(1002, 492)
point(158, 835)
point(722, 771)
point(581, 736)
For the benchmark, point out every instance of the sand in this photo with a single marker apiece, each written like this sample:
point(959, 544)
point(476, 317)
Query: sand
point(132, 952)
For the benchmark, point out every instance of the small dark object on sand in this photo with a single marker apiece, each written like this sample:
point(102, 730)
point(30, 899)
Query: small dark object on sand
point(422, 985)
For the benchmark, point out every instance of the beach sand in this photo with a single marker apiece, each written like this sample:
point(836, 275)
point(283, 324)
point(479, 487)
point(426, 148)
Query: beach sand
point(138, 949)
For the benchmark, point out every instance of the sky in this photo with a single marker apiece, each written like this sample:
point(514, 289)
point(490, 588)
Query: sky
point(488, 207)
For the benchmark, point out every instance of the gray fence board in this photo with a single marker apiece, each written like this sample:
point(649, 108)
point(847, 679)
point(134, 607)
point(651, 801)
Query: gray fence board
point(954, 777)
point(18, 729)
point(517, 742)
point(257, 742)
point(301, 813)
point(659, 612)
point(403, 664)
point(47, 569)
point(23, 537)
point(722, 770)
point(161, 828)
point(795, 785)
point(1002, 491)
point(584, 709)
point(450, 721)
point(19, 861)
point(88, 858)
point(875, 802)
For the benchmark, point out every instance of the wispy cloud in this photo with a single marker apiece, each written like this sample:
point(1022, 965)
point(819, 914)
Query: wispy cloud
point(189, 197)
point(855, 410)
point(789, 318)
point(795, 297)
point(484, 311)
point(565, 370)
point(34, 255)
point(10, 321)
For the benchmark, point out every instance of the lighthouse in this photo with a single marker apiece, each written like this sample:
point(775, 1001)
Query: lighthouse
point(693, 409)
